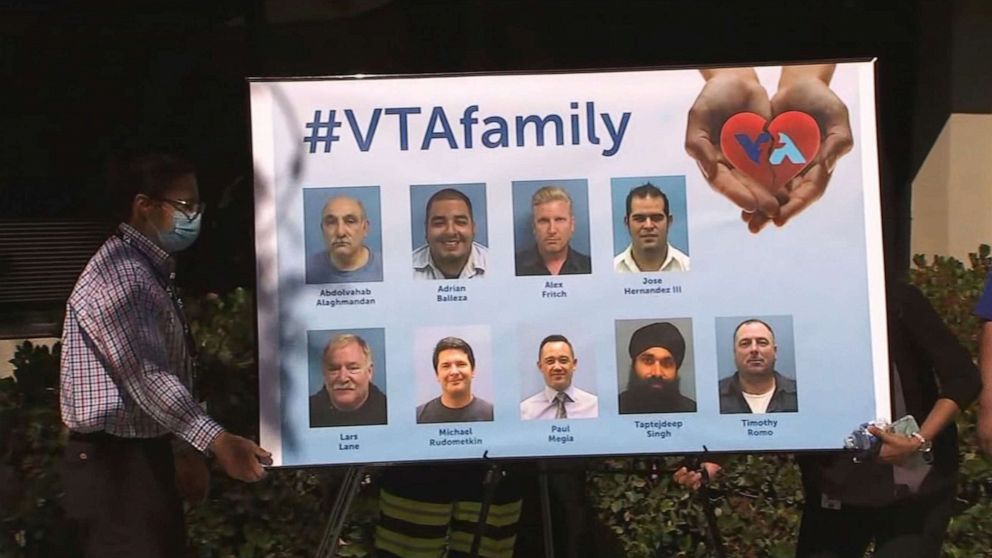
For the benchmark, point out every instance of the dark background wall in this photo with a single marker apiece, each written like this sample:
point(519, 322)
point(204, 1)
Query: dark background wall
point(971, 46)
point(82, 80)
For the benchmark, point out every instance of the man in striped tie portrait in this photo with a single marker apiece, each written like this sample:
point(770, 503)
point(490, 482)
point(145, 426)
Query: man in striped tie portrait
point(560, 398)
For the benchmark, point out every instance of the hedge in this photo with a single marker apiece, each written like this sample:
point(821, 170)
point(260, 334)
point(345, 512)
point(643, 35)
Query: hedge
point(757, 500)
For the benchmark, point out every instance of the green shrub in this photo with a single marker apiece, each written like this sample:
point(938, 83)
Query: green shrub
point(31, 441)
point(282, 516)
point(285, 514)
point(954, 289)
point(757, 499)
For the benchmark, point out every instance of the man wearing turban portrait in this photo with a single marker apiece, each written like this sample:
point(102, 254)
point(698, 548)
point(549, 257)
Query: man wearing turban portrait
point(656, 353)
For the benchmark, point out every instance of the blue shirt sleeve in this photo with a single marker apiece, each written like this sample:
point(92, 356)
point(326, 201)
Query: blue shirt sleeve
point(984, 308)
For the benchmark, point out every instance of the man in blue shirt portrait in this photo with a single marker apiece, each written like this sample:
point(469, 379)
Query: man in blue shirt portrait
point(346, 259)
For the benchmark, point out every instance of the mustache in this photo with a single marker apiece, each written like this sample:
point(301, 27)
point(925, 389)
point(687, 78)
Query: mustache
point(657, 384)
point(654, 383)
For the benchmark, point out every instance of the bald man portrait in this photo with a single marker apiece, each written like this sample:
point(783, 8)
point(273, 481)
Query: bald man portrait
point(346, 258)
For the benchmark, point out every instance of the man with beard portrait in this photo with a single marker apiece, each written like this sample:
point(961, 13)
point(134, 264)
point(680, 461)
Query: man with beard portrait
point(656, 354)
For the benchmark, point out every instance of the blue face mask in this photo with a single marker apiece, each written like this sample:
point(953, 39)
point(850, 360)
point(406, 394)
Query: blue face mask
point(182, 235)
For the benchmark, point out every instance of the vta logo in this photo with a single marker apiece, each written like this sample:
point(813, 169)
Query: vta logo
point(785, 150)
point(772, 153)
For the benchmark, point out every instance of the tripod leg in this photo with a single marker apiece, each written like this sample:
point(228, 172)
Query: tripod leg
point(488, 493)
point(712, 529)
point(339, 512)
point(549, 542)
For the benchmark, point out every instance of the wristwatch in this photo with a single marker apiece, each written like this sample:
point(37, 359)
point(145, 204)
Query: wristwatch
point(925, 445)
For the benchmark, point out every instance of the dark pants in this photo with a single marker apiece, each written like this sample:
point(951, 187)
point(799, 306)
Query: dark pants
point(909, 528)
point(122, 496)
point(567, 491)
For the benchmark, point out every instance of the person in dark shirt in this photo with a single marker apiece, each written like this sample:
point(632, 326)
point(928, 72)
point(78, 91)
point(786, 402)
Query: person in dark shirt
point(901, 499)
point(454, 367)
point(348, 396)
point(656, 354)
point(554, 225)
point(756, 387)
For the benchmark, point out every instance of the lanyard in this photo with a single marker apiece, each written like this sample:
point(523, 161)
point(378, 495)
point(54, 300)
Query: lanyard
point(177, 304)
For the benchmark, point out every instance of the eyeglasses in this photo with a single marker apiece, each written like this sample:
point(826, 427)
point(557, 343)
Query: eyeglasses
point(191, 210)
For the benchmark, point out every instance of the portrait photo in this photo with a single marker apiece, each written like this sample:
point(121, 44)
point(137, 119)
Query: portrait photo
point(449, 231)
point(650, 224)
point(551, 227)
point(343, 235)
point(655, 366)
point(454, 375)
point(347, 377)
point(756, 361)
point(557, 372)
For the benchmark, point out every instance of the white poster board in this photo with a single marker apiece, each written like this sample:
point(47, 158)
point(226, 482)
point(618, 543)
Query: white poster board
point(388, 145)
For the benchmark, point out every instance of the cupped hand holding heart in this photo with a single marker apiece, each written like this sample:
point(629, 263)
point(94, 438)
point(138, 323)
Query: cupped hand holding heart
point(772, 157)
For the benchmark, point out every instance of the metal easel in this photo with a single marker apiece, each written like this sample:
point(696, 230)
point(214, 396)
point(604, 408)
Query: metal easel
point(353, 478)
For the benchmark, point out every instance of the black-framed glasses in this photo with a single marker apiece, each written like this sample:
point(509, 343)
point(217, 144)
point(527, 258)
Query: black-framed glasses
point(191, 210)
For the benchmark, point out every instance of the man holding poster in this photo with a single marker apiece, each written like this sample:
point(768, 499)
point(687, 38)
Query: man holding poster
point(138, 438)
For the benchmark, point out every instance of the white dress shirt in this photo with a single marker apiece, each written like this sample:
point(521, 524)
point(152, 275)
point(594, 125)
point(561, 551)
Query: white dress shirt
point(542, 405)
point(675, 261)
point(424, 268)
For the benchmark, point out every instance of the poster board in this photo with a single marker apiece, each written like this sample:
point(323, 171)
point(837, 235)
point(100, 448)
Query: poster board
point(510, 147)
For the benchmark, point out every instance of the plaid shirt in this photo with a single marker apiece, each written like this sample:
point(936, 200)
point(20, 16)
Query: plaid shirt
point(126, 369)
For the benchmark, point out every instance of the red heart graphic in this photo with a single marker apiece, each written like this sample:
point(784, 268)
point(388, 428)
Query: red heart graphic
point(771, 153)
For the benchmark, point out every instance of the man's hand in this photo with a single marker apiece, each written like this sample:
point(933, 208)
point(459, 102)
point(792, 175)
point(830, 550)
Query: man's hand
point(806, 89)
point(694, 479)
point(192, 476)
point(240, 458)
point(726, 93)
point(896, 448)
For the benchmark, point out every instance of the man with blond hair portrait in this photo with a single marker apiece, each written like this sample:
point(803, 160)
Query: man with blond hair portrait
point(553, 223)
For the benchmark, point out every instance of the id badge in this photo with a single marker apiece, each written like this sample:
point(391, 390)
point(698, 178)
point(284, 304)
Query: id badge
point(829, 503)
